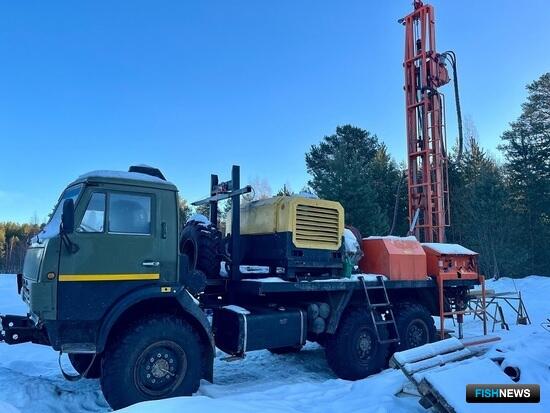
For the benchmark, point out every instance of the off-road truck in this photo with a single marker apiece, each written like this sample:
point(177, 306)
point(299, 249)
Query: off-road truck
point(110, 282)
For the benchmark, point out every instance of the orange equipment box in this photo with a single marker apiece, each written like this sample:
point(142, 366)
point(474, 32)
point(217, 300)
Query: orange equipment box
point(395, 257)
point(451, 260)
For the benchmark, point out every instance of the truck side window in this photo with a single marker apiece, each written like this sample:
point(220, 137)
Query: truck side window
point(94, 217)
point(129, 214)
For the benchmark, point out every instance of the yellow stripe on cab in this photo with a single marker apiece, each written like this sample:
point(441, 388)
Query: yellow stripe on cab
point(108, 277)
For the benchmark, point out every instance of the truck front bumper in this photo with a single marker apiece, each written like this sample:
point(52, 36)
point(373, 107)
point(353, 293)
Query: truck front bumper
point(17, 329)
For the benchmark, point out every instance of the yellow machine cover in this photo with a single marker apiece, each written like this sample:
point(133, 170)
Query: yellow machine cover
point(314, 223)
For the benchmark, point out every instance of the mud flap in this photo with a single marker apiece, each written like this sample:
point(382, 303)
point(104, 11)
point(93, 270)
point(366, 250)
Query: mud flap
point(75, 377)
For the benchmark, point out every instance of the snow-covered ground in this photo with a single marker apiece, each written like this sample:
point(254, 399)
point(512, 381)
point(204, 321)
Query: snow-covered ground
point(30, 380)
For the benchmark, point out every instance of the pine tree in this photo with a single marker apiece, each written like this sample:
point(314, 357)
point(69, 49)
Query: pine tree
point(13, 245)
point(387, 182)
point(526, 148)
point(352, 167)
point(285, 191)
point(480, 213)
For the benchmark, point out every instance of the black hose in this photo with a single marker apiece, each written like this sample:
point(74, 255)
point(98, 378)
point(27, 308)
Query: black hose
point(443, 142)
point(451, 57)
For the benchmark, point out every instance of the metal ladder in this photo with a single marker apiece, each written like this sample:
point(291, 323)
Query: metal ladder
point(382, 308)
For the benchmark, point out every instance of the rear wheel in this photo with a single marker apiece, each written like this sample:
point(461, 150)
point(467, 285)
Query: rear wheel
point(156, 358)
point(81, 363)
point(202, 244)
point(415, 325)
point(354, 352)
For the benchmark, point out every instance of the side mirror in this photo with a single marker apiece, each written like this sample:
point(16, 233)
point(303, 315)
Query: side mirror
point(67, 218)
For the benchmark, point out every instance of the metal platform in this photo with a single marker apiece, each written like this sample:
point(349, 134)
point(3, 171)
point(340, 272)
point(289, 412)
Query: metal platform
point(270, 285)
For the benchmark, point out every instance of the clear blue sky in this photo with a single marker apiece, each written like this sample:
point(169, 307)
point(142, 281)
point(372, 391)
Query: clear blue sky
point(194, 86)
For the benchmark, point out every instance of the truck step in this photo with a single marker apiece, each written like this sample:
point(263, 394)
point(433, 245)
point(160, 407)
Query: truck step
point(235, 357)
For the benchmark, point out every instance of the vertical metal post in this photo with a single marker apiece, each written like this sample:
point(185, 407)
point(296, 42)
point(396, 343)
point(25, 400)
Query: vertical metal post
point(440, 282)
point(483, 304)
point(213, 204)
point(235, 224)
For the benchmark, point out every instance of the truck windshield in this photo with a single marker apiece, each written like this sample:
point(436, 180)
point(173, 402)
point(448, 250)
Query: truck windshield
point(52, 227)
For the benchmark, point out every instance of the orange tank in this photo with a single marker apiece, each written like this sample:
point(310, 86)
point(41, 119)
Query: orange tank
point(395, 257)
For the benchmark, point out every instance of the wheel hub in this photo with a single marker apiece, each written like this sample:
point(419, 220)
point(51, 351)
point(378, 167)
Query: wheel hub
point(160, 368)
point(364, 345)
point(417, 334)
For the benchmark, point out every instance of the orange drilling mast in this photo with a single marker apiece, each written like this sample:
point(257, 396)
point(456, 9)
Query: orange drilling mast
point(425, 73)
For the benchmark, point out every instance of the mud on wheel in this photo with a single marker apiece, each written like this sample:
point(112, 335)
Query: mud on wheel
point(354, 352)
point(155, 358)
point(202, 243)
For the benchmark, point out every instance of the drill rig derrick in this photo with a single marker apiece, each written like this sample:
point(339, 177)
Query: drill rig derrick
point(425, 73)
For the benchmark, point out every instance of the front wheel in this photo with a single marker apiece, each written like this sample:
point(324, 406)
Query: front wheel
point(156, 358)
point(354, 352)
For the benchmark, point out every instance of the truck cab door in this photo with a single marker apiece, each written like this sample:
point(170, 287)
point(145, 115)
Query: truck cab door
point(117, 237)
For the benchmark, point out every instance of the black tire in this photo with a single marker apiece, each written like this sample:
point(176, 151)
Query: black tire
point(128, 374)
point(203, 245)
point(415, 325)
point(354, 352)
point(80, 363)
point(286, 350)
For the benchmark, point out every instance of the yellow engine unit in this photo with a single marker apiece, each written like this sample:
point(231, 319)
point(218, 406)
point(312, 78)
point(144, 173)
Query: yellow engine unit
point(302, 235)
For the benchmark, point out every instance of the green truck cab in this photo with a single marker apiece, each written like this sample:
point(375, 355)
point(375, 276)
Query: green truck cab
point(109, 256)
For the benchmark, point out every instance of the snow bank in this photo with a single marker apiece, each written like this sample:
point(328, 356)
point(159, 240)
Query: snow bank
point(372, 395)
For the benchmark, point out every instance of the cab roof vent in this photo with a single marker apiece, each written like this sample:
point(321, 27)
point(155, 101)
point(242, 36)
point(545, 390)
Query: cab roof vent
point(147, 170)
